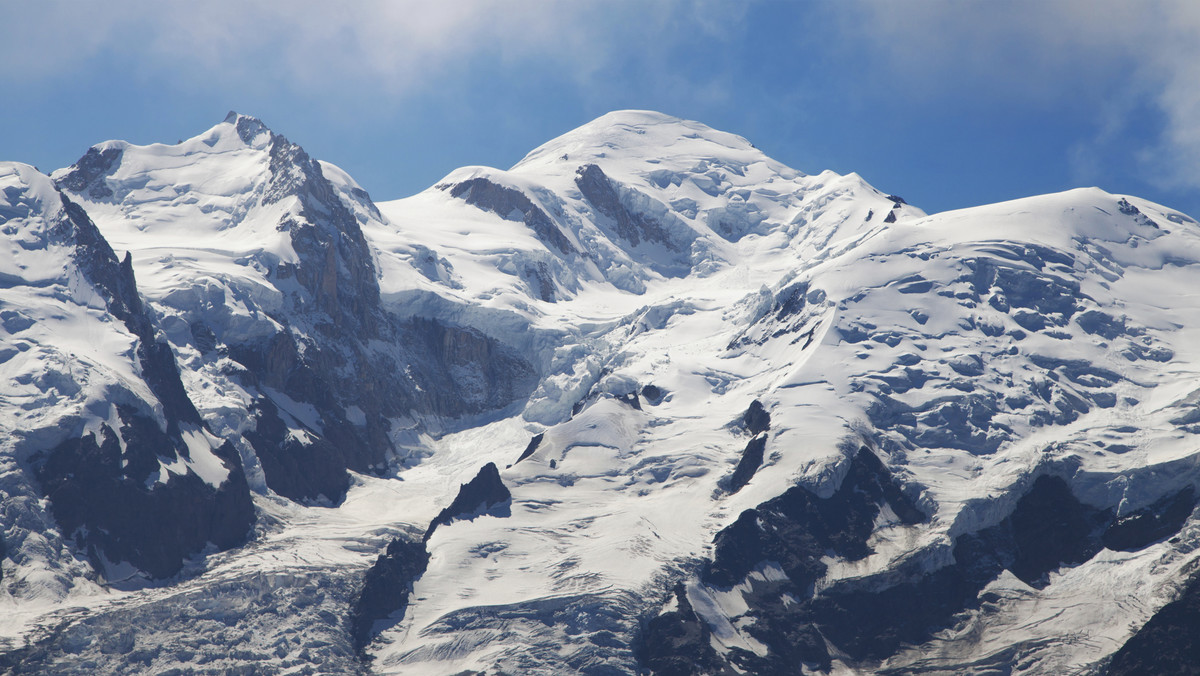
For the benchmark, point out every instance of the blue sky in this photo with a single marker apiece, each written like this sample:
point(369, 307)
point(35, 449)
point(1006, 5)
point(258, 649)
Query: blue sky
point(947, 103)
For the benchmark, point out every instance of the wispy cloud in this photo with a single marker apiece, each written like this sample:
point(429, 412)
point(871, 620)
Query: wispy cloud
point(395, 45)
point(1113, 55)
point(1110, 59)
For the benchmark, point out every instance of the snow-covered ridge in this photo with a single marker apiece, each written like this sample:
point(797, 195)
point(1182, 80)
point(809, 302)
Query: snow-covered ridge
point(93, 417)
point(682, 359)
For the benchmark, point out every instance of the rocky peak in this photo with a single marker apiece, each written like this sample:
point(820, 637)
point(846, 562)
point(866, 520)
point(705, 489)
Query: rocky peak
point(248, 128)
point(87, 175)
point(118, 448)
point(336, 265)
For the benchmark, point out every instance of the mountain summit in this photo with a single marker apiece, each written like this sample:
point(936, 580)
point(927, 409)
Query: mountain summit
point(649, 401)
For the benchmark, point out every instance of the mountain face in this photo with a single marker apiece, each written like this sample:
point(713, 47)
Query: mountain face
point(96, 417)
point(269, 289)
point(647, 402)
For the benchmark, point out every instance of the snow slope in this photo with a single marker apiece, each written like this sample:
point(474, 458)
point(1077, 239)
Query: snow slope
point(973, 449)
point(268, 293)
point(92, 411)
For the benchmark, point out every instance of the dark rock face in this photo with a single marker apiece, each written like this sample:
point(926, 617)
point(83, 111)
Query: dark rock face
point(482, 193)
point(630, 399)
point(1166, 645)
point(1048, 529)
point(389, 582)
point(294, 469)
point(336, 266)
point(439, 369)
point(328, 357)
point(870, 619)
point(460, 371)
point(752, 458)
point(653, 394)
point(110, 499)
point(540, 280)
point(632, 226)
point(1151, 524)
point(486, 493)
point(676, 643)
point(786, 317)
point(88, 173)
point(1128, 209)
point(795, 531)
point(323, 358)
point(116, 283)
point(756, 419)
point(386, 588)
point(796, 528)
point(533, 445)
point(339, 352)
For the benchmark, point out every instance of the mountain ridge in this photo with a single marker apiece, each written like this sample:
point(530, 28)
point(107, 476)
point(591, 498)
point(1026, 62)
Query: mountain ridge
point(936, 388)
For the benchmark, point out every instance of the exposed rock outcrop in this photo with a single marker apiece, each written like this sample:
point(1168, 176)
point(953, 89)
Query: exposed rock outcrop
point(386, 588)
point(484, 494)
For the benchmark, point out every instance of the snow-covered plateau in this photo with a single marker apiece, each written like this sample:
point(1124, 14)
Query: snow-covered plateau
point(648, 402)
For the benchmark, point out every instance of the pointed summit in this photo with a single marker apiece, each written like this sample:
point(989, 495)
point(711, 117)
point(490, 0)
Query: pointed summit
point(248, 128)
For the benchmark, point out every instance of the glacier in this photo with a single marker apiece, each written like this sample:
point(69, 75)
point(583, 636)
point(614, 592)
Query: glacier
point(648, 401)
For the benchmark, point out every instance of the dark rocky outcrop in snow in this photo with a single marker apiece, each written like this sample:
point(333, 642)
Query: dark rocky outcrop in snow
point(797, 528)
point(869, 619)
point(485, 494)
point(533, 446)
point(502, 201)
point(637, 226)
point(632, 226)
point(105, 490)
point(87, 175)
point(295, 468)
point(386, 587)
point(752, 458)
point(322, 357)
point(756, 419)
point(115, 282)
point(653, 394)
point(795, 531)
point(677, 643)
point(389, 582)
point(117, 512)
point(435, 369)
point(1168, 644)
point(1150, 524)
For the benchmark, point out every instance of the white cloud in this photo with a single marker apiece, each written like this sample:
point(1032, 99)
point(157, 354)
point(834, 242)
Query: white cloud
point(397, 45)
point(1111, 54)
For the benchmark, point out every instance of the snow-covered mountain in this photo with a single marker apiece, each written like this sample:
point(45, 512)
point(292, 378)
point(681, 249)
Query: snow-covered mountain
point(647, 402)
